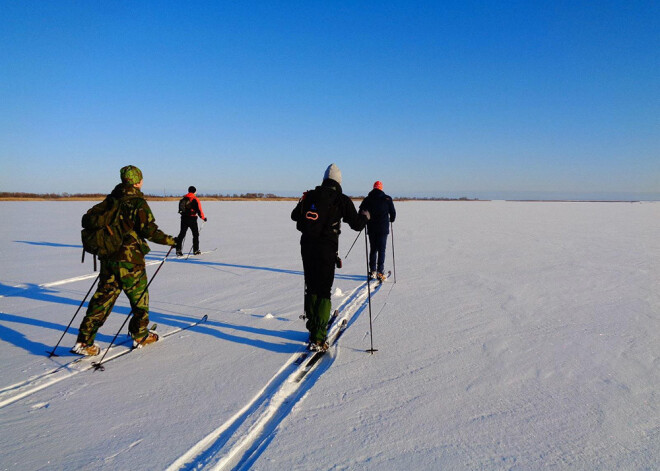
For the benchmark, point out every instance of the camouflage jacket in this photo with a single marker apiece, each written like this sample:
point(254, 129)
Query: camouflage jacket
point(138, 224)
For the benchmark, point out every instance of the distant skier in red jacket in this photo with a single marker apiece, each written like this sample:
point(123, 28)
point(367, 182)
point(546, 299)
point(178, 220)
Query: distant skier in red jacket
point(190, 208)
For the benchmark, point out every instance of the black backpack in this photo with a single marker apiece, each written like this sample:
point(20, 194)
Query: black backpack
point(102, 233)
point(319, 213)
point(185, 205)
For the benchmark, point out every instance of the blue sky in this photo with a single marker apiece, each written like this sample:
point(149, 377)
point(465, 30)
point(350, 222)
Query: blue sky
point(445, 98)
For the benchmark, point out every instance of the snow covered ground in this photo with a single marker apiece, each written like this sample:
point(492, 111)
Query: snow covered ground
point(517, 336)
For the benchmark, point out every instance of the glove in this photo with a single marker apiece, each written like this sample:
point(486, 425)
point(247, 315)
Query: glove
point(176, 242)
point(206, 219)
point(366, 214)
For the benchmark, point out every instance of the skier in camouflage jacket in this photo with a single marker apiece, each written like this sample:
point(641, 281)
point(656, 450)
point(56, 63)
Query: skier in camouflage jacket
point(125, 271)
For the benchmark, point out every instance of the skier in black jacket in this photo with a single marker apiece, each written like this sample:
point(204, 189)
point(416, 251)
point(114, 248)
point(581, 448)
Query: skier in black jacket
point(318, 216)
point(381, 208)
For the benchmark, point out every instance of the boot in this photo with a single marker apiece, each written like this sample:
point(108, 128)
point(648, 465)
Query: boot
point(151, 337)
point(318, 346)
point(88, 350)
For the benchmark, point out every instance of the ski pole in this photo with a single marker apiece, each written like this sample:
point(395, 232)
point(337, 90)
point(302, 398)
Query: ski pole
point(98, 365)
point(371, 327)
point(356, 238)
point(191, 248)
point(52, 352)
point(393, 259)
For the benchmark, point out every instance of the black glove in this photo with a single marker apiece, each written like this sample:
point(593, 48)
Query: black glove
point(206, 219)
point(366, 214)
point(338, 262)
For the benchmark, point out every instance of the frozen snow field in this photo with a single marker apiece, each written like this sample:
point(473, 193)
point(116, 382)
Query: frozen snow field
point(518, 335)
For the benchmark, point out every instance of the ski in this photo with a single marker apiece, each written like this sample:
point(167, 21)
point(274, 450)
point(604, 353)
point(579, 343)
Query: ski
point(306, 353)
point(98, 366)
point(314, 357)
point(309, 359)
point(17, 391)
point(186, 257)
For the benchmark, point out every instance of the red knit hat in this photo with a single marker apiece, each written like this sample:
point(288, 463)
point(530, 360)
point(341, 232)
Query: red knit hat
point(378, 185)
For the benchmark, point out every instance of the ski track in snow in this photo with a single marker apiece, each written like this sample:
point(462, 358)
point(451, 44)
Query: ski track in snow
point(14, 392)
point(20, 390)
point(108, 459)
point(237, 443)
point(89, 276)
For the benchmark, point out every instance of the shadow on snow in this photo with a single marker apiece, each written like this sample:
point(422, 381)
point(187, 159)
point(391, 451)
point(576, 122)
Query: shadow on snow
point(211, 327)
point(48, 244)
point(159, 254)
point(289, 339)
point(211, 264)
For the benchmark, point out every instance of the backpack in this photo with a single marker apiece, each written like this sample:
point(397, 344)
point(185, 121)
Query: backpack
point(102, 233)
point(319, 214)
point(185, 205)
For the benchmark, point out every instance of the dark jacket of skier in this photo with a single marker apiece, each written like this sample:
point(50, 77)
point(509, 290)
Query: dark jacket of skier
point(343, 209)
point(381, 209)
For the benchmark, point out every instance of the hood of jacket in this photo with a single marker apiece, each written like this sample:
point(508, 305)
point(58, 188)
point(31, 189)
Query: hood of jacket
point(330, 183)
point(376, 193)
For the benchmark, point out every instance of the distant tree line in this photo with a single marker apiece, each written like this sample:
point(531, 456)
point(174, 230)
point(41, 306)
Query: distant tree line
point(54, 196)
point(242, 196)
point(433, 198)
point(48, 196)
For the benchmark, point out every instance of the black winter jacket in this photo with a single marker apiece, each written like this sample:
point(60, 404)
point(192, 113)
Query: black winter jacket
point(381, 210)
point(345, 210)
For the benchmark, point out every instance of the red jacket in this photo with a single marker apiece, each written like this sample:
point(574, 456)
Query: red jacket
point(195, 207)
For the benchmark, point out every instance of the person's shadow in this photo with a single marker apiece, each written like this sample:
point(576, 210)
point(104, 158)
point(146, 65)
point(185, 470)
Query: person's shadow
point(289, 340)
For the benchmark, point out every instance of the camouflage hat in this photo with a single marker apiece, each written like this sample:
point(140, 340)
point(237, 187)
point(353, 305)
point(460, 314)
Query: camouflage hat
point(130, 174)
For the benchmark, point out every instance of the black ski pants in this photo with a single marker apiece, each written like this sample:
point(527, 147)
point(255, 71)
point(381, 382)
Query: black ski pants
point(188, 222)
point(319, 265)
point(377, 246)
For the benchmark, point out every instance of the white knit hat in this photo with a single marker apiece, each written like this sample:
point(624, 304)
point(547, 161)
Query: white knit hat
point(333, 173)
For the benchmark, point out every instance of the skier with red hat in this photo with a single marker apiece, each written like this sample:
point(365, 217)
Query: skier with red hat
point(382, 212)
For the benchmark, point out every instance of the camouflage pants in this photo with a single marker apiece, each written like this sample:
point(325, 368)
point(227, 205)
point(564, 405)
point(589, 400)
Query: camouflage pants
point(114, 278)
